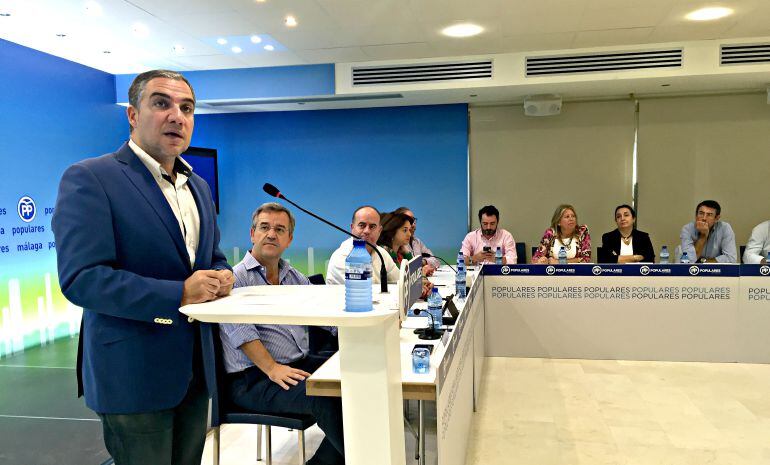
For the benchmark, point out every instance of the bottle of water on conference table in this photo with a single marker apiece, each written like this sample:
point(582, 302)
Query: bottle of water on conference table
point(435, 308)
point(358, 279)
point(460, 277)
point(685, 258)
point(562, 256)
point(664, 256)
point(499, 255)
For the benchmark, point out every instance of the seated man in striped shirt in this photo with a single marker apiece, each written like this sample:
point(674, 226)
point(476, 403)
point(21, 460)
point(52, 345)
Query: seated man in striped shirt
point(267, 364)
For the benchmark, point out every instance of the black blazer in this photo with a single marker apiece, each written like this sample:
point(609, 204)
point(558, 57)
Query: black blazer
point(611, 246)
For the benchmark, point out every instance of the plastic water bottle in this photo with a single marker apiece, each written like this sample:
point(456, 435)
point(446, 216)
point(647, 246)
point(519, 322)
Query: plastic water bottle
point(499, 256)
point(562, 256)
point(685, 258)
point(460, 278)
point(767, 259)
point(664, 256)
point(358, 279)
point(460, 257)
point(435, 308)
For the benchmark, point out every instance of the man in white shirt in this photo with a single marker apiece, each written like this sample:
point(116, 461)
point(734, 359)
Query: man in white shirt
point(366, 225)
point(759, 245)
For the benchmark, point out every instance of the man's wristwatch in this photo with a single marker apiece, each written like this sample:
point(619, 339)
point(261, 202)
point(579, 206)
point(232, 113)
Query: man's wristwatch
point(703, 260)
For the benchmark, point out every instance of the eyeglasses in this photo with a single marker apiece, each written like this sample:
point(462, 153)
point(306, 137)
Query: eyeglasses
point(279, 230)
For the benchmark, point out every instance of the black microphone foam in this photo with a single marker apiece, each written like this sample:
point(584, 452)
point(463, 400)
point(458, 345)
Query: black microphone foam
point(271, 190)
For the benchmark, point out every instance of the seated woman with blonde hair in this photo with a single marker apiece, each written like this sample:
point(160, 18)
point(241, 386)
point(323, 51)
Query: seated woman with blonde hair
point(564, 232)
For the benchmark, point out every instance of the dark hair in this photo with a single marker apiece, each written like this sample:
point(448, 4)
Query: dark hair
point(630, 208)
point(404, 210)
point(489, 210)
point(391, 223)
point(353, 219)
point(141, 80)
point(709, 204)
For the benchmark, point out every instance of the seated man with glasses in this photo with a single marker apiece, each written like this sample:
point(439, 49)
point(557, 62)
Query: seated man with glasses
point(267, 364)
point(366, 225)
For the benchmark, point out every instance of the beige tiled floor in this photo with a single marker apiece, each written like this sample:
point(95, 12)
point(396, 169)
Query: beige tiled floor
point(587, 412)
point(539, 411)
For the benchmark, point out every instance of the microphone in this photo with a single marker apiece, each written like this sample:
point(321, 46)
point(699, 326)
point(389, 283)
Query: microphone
point(273, 191)
point(427, 255)
point(430, 332)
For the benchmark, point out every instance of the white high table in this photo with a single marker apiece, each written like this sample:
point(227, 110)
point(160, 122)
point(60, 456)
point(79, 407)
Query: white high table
point(370, 359)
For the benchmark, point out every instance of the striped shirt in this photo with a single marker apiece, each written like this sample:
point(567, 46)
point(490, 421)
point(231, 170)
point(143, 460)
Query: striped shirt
point(286, 343)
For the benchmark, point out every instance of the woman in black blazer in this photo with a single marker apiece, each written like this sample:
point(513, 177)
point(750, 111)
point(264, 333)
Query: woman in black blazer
point(626, 244)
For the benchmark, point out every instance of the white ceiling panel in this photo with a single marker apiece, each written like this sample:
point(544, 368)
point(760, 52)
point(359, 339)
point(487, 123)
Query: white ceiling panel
point(610, 37)
point(334, 55)
point(411, 51)
point(532, 42)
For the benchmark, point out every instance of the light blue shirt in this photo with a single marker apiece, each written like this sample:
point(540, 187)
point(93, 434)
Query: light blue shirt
point(286, 343)
point(719, 245)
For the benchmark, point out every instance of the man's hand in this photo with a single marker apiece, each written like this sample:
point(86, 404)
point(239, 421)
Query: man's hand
point(428, 269)
point(483, 256)
point(543, 260)
point(703, 228)
point(226, 281)
point(283, 375)
point(202, 286)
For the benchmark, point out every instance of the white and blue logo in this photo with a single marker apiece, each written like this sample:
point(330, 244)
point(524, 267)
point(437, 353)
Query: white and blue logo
point(597, 270)
point(764, 270)
point(694, 270)
point(644, 270)
point(26, 209)
point(550, 269)
point(505, 270)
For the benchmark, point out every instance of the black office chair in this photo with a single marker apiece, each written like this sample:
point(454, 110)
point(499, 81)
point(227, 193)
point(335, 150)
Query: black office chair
point(316, 279)
point(534, 251)
point(740, 258)
point(521, 253)
point(223, 411)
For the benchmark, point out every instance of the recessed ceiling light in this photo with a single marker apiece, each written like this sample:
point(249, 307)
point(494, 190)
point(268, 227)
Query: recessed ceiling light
point(236, 49)
point(269, 48)
point(178, 49)
point(462, 30)
point(709, 14)
point(93, 9)
point(290, 21)
point(255, 39)
point(222, 41)
point(260, 1)
point(140, 30)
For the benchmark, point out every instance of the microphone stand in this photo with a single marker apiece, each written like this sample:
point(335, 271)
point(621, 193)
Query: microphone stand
point(272, 190)
point(429, 333)
point(427, 255)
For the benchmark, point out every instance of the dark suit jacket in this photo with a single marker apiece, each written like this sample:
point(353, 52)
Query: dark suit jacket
point(122, 257)
point(611, 246)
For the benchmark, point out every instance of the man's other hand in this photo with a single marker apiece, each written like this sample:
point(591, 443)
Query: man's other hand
point(284, 375)
point(226, 281)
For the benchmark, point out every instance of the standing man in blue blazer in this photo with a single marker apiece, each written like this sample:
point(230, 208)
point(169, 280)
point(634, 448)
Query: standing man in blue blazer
point(137, 238)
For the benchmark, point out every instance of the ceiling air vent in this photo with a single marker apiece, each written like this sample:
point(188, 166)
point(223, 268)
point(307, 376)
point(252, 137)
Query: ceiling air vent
point(603, 62)
point(744, 54)
point(432, 72)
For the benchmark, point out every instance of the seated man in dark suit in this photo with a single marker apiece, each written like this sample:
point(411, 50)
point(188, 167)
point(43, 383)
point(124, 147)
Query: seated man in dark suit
point(268, 364)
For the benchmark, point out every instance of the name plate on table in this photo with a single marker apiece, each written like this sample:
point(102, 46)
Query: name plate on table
point(761, 271)
point(676, 269)
point(409, 285)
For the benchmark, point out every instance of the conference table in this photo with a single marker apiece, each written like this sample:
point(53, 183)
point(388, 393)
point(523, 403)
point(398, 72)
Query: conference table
point(676, 312)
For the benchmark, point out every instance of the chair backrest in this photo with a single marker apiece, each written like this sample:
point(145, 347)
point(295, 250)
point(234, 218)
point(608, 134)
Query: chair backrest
point(219, 398)
point(742, 249)
point(521, 253)
point(316, 279)
point(534, 251)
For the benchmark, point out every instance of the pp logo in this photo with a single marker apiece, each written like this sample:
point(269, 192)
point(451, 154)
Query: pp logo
point(694, 270)
point(505, 270)
point(764, 270)
point(550, 269)
point(597, 270)
point(644, 270)
point(26, 209)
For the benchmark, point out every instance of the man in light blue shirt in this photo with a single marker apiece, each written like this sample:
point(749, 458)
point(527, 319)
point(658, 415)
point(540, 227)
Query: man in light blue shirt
point(758, 247)
point(267, 364)
point(708, 240)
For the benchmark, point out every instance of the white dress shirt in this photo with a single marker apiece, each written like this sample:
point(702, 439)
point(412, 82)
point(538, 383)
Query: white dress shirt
point(759, 244)
point(179, 197)
point(335, 273)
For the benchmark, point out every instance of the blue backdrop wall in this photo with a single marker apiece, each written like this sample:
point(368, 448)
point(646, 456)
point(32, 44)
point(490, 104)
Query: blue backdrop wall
point(52, 113)
point(332, 161)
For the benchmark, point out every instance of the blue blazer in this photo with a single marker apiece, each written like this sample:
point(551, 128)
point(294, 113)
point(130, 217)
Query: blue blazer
point(122, 257)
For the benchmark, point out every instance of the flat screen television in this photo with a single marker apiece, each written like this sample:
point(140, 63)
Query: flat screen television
point(204, 164)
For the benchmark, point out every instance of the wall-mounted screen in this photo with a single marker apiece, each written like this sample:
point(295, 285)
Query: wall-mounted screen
point(204, 164)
